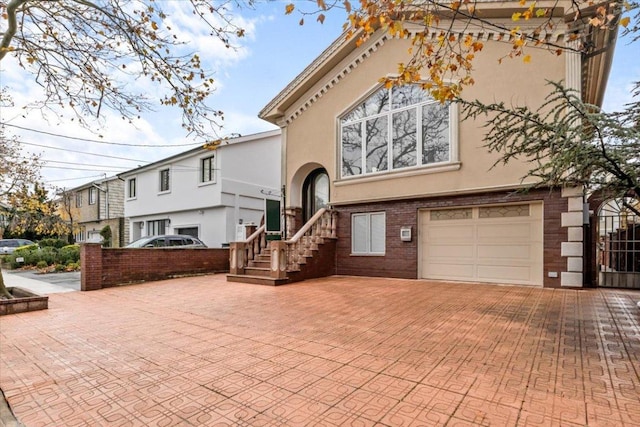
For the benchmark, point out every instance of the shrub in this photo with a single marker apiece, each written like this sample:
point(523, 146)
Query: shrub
point(42, 264)
point(73, 266)
point(54, 243)
point(59, 267)
point(69, 253)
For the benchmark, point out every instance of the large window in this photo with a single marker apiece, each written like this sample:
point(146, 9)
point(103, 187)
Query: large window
point(368, 233)
point(394, 129)
point(131, 188)
point(92, 195)
point(164, 180)
point(207, 170)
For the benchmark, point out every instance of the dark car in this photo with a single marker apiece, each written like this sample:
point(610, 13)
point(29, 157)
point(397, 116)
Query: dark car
point(8, 246)
point(167, 241)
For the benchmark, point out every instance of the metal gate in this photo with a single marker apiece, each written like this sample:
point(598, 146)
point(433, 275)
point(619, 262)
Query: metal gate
point(618, 247)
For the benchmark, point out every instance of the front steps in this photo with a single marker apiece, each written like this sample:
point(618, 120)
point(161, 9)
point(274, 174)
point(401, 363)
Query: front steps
point(258, 272)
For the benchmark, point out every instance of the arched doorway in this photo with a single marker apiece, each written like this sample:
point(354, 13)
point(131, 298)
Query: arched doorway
point(315, 193)
point(618, 243)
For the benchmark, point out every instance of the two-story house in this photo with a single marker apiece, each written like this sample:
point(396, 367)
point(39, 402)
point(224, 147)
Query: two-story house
point(209, 194)
point(413, 187)
point(91, 207)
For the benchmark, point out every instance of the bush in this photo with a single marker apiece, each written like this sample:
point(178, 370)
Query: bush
point(54, 243)
point(59, 267)
point(42, 264)
point(69, 253)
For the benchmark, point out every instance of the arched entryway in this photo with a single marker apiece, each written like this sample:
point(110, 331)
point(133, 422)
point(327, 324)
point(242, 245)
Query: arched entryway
point(315, 193)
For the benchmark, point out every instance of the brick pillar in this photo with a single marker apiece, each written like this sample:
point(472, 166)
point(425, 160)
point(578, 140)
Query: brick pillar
point(573, 248)
point(91, 266)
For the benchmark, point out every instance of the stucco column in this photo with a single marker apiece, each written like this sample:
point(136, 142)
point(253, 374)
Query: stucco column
point(573, 248)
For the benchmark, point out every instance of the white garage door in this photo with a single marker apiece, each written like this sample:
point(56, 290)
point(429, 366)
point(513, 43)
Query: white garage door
point(498, 244)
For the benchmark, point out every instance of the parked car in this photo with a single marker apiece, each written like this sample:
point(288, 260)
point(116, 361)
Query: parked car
point(8, 246)
point(176, 240)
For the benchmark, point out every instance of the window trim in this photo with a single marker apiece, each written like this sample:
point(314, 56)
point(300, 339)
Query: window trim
point(133, 180)
point(92, 195)
point(160, 172)
point(211, 169)
point(454, 122)
point(369, 251)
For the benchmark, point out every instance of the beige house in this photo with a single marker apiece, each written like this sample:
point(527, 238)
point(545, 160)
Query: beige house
point(92, 206)
point(411, 183)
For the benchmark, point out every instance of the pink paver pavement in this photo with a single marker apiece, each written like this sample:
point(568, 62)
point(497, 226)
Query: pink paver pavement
point(329, 352)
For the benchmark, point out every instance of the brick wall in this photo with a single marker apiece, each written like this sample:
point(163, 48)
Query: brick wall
point(322, 264)
point(102, 268)
point(401, 258)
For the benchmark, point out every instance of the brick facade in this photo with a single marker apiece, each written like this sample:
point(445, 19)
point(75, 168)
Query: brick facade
point(401, 258)
point(102, 268)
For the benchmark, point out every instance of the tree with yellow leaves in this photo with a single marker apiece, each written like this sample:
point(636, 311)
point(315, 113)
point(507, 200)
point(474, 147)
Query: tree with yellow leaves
point(442, 52)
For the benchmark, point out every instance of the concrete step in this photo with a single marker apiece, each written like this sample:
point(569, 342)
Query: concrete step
point(260, 264)
point(256, 280)
point(257, 271)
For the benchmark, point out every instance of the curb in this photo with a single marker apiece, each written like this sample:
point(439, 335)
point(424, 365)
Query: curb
point(7, 417)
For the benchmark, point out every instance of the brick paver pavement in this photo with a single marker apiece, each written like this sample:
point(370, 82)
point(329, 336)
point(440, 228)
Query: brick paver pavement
point(336, 351)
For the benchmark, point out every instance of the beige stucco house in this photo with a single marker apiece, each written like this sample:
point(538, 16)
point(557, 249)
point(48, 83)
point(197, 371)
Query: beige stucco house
point(412, 185)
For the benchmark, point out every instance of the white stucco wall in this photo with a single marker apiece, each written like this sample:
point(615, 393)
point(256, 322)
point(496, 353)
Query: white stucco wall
point(247, 172)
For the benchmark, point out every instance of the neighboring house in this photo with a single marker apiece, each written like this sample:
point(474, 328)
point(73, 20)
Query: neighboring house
point(209, 194)
point(412, 185)
point(4, 217)
point(91, 207)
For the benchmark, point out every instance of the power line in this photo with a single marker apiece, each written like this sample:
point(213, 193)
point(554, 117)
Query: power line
point(75, 179)
point(57, 135)
point(107, 169)
point(77, 164)
point(82, 152)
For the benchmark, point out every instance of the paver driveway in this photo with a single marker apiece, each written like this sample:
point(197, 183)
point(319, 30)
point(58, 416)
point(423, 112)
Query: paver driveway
point(336, 351)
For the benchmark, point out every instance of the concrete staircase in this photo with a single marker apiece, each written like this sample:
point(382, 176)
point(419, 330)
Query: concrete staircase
point(258, 271)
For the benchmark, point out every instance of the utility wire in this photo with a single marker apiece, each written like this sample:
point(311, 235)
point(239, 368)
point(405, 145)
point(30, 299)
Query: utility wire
point(81, 152)
point(193, 144)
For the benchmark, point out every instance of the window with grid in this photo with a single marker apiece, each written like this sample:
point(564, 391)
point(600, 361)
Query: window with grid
point(395, 128)
point(368, 233)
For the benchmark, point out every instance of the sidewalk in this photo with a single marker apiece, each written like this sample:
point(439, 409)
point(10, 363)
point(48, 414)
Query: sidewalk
point(12, 279)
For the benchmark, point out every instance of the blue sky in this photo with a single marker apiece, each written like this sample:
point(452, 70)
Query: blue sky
point(276, 50)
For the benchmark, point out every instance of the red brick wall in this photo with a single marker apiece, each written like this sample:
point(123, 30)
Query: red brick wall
point(103, 268)
point(322, 264)
point(401, 258)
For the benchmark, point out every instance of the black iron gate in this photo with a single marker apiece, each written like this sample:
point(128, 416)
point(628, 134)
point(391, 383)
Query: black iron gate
point(618, 247)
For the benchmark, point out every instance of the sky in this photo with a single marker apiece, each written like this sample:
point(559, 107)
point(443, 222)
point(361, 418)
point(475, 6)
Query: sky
point(275, 50)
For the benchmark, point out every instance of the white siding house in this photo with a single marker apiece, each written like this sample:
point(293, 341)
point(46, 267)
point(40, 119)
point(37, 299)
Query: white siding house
point(205, 193)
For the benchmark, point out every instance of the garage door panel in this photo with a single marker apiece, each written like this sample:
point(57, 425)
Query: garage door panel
point(450, 251)
point(450, 233)
point(505, 231)
point(451, 271)
point(505, 249)
point(514, 274)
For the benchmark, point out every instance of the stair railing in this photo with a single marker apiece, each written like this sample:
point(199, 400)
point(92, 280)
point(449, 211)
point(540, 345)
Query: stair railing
point(242, 252)
point(295, 250)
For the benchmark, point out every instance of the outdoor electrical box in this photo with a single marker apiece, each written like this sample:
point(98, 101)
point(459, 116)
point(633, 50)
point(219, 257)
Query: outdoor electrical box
point(405, 234)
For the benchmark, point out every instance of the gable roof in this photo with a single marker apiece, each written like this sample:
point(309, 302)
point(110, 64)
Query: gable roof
point(200, 149)
point(308, 86)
